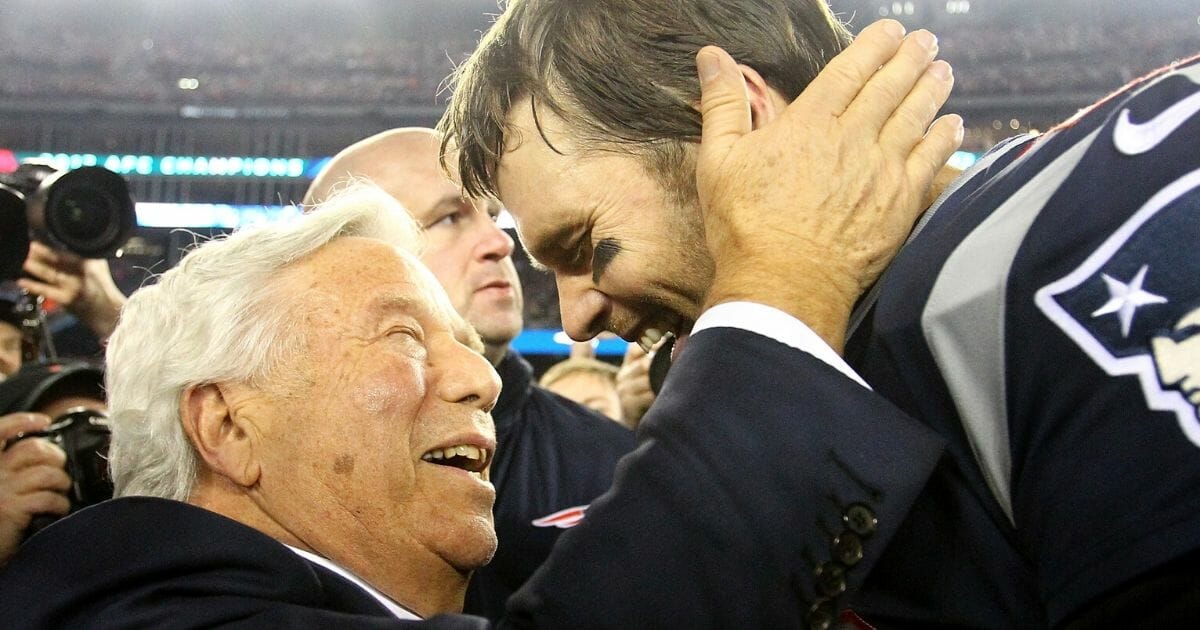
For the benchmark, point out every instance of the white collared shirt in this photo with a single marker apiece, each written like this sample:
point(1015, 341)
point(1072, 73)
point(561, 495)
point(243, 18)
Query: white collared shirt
point(396, 609)
point(775, 324)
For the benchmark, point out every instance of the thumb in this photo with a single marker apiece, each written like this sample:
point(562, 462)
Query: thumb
point(724, 104)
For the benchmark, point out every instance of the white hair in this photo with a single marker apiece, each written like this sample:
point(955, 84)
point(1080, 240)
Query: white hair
point(218, 317)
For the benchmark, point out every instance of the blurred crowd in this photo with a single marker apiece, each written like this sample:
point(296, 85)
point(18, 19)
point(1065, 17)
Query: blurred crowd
point(1040, 59)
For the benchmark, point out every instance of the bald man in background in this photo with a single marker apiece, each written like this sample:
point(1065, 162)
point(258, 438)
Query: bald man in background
point(553, 455)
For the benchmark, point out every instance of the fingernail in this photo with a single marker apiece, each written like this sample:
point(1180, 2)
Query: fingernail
point(941, 70)
point(709, 65)
point(893, 28)
point(960, 130)
point(927, 40)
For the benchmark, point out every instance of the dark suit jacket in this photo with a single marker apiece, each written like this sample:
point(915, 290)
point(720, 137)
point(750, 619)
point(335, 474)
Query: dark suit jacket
point(152, 563)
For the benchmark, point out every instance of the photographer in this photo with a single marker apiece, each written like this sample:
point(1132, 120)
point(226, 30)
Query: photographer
point(33, 480)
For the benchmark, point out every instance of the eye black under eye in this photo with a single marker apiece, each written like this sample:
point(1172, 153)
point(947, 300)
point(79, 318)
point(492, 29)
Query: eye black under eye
point(606, 250)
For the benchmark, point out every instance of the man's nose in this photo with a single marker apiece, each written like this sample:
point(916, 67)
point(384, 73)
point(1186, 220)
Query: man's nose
point(584, 310)
point(494, 243)
point(465, 376)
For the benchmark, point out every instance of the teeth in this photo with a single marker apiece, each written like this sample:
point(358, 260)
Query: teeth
point(462, 450)
point(649, 338)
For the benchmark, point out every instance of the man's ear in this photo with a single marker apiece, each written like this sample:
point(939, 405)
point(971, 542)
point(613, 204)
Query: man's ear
point(765, 103)
point(222, 438)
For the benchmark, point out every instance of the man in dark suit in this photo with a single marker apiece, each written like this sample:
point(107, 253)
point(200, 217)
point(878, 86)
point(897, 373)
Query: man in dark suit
point(993, 449)
point(301, 438)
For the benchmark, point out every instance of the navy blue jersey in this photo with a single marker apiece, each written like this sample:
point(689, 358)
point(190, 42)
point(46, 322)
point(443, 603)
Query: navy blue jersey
point(1045, 321)
point(553, 456)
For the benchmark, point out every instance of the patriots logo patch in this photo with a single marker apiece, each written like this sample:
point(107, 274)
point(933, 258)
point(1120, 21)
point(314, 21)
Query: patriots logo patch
point(1134, 305)
point(562, 519)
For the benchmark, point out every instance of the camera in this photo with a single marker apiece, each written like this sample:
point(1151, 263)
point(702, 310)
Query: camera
point(86, 211)
point(72, 394)
point(83, 434)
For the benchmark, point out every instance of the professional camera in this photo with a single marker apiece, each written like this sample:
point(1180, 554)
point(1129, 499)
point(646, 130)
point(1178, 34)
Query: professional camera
point(86, 211)
point(83, 434)
point(60, 388)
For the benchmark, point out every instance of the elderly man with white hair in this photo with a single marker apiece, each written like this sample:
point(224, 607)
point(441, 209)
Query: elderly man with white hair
point(301, 436)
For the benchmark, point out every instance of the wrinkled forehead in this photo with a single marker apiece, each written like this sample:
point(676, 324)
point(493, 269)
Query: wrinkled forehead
point(538, 178)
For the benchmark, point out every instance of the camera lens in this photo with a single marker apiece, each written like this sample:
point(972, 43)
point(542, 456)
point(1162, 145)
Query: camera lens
point(83, 214)
point(87, 211)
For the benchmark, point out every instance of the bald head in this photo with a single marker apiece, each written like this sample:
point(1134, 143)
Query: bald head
point(464, 248)
point(400, 161)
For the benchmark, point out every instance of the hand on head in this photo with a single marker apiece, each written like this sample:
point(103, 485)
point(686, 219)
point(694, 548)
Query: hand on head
point(805, 211)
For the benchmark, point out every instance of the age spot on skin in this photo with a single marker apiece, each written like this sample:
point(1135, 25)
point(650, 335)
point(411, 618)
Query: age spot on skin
point(343, 465)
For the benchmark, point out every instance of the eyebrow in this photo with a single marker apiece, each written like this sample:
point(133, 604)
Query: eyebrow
point(382, 306)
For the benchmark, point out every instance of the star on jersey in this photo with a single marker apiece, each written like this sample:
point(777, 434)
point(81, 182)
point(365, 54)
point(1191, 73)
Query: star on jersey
point(1126, 298)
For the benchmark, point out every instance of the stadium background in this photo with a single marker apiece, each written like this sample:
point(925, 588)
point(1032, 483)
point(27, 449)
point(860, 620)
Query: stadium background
point(219, 112)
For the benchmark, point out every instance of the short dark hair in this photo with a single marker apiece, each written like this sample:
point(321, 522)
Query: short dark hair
point(622, 73)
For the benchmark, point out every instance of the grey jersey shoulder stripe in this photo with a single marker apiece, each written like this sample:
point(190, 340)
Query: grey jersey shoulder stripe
point(864, 305)
point(963, 320)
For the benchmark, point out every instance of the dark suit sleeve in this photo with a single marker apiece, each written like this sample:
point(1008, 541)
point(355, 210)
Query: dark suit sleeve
point(764, 486)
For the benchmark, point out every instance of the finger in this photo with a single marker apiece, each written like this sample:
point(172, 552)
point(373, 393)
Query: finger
point(912, 119)
point(931, 154)
point(46, 502)
point(39, 268)
point(48, 291)
point(583, 349)
point(894, 82)
point(724, 104)
point(32, 452)
point(39, 479)
point(15, 423)
point(41, 252)
point(637, 368)
point(51, 256)
point(832, 91)
point(632, 353)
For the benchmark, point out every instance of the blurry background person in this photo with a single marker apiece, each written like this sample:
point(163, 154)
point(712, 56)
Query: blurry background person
point(33, 481)
point(633, 384)
point(553, 456)
point(587, 381)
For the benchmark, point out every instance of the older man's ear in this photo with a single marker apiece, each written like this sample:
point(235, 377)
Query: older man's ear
point(225, 440)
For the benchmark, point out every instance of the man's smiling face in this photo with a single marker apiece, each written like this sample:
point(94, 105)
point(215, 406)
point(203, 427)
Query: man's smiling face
point(627, 256)
point(379, 430)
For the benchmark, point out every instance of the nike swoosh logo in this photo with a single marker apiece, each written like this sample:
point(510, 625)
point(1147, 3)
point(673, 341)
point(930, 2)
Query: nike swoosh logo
point(1133, 138)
